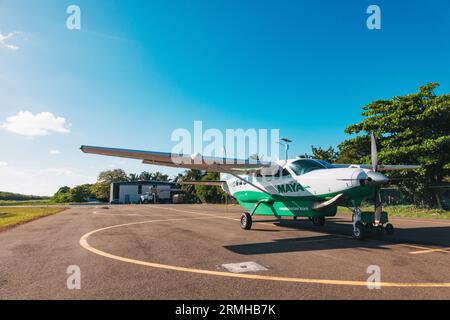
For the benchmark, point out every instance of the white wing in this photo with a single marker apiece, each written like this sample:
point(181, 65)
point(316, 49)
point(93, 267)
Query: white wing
point(198, 162)
point(381, 167)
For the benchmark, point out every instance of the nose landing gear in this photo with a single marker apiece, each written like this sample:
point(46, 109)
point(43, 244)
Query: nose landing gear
point(363, 223)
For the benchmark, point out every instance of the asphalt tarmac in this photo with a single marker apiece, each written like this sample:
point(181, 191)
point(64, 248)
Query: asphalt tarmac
point(179, 252)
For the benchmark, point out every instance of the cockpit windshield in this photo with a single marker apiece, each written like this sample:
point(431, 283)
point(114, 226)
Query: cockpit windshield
point(303, 166)
point(326, 164)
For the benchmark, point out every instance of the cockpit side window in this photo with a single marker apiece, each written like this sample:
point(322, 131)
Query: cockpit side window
point(303, 166)
point(285, 173)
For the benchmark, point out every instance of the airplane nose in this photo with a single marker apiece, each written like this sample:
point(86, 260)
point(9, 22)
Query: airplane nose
point(376, 178)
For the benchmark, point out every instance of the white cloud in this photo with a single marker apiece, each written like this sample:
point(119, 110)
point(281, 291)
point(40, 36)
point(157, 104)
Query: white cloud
point(54, 152)
point(27, 124)
point(3, 164)
point(7, 38)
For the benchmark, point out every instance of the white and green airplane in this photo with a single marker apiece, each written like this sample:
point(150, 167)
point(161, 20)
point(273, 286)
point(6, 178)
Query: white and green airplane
point(295, 188)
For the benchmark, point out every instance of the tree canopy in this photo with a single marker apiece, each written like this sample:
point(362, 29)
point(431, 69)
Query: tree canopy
point(210, 194)
point(330, 155)
point(410, 129)
point(188, 190)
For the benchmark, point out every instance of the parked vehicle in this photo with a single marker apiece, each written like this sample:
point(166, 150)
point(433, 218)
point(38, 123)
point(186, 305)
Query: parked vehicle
point(147, 198)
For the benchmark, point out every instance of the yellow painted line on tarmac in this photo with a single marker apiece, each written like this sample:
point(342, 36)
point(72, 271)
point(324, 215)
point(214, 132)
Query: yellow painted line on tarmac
point(445, 250)
point(85, 244)
point(412, 246)
point(421, 249)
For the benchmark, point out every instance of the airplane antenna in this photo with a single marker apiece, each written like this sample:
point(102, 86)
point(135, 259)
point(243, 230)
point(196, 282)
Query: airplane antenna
point(285, 142)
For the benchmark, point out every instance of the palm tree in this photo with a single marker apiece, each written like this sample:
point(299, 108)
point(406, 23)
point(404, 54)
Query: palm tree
point(145, 175)
point(158, 176)
point(133, 176)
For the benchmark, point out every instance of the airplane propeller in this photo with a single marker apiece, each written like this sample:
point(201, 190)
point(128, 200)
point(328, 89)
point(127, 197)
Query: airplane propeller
point(374, 159)
point(373, 152)
point(376, 179)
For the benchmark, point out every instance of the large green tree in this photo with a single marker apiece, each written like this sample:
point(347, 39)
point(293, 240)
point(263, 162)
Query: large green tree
point(188, 190)
point(63, 195)
point(105, 178)
point(210, 194)
point(81, 193)
point(410, 129)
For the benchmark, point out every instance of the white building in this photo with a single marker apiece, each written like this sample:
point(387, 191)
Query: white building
point(131, 191)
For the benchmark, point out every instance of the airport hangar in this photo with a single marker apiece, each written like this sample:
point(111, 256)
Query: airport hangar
point(127, 192)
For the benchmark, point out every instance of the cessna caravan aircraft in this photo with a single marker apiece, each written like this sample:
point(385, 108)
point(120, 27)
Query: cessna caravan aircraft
point(294, 188)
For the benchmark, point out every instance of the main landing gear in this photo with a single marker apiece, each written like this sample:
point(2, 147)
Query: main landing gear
point(361, 227)
point(318, 221)
point(246, 221)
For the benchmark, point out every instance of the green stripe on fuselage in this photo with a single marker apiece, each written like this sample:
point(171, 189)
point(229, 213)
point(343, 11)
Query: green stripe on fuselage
point(283, 205)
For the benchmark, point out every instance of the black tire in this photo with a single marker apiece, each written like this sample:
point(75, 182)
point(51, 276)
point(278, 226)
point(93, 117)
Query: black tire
point(389, 229)
point(359, 231)
point(295, 218)
point(379, 230)
point(145, 201)
point(246, 221)
point(318, 221)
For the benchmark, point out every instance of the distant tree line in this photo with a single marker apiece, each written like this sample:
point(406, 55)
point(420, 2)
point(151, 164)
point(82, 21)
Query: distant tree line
point(100, 189)
point(9, 196)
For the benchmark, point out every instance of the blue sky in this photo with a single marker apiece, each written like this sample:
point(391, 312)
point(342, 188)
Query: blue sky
point(137, 70)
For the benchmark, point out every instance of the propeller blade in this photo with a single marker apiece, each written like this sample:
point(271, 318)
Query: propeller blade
point(378, 206)
point(373, 152)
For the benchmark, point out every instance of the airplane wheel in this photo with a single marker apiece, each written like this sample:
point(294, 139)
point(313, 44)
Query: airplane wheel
point(379, 230)
point(389, 229)
point(318, 221)
point(246, 221)
point(295, 217)
point(358, 231)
